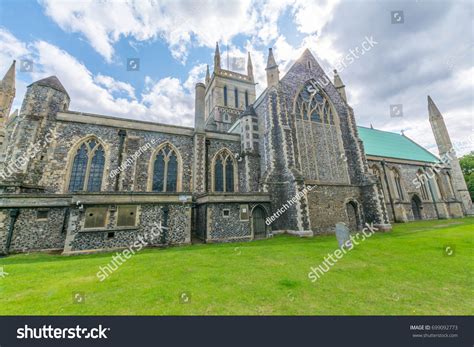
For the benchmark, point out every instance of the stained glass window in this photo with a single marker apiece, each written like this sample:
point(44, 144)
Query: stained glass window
point(79, 167)
point(219, 176)
point(172, 173)
point(224, 172)
point(225, 95)
point(165, 170)
point(312, 104)
point(88, 167)
point(229, 176)
point(159, 173)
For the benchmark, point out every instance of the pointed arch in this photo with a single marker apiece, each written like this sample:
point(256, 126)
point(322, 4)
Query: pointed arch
point(224, 172)
point(86, 165)
point(165, 169)
point(397, 182)
point(423, 188)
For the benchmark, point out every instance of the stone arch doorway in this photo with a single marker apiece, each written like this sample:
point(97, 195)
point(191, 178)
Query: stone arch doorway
point(258, 222)
point(416, 207)
point(352, 210)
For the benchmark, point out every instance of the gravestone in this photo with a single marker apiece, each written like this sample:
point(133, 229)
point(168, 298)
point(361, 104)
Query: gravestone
point(342, 234)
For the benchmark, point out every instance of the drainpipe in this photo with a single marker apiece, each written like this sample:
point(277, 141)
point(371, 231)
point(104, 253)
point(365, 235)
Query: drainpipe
point(388, 189)
point(432, 197)
point(122, 133)
point(14, 215)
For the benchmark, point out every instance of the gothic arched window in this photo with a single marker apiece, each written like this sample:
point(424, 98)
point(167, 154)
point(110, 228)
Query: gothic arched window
point(398, 184)
point(224, 169)
point(313, 105)
point(246, 99)
point(87, 167)
point(450, 184)
point(236, 97)
point(439, 183)
point(423, 189)
point(225, 95)
point(165, 170)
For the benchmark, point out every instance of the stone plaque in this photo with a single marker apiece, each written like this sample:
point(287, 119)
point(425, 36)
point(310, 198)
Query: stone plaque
point(342, 234)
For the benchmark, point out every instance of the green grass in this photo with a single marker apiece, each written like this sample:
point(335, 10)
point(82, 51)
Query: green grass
point(404, 272)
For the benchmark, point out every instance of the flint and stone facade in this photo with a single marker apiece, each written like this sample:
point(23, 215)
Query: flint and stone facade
point(78, 182)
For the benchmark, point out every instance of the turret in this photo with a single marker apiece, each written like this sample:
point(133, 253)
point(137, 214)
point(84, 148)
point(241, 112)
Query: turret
point(217, 58)
point(273, 74)
point(249, 68)
point(199, 122)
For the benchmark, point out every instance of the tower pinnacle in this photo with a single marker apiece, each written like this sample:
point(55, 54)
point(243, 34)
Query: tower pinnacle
point(273, 74)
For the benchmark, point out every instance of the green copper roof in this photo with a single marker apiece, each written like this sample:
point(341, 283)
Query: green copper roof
point(386, 144)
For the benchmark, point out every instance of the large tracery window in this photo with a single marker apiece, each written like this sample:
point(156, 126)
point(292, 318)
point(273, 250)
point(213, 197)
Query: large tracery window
point(165, 170)
point(311, 104)
point(224, 166)
point(88, 167)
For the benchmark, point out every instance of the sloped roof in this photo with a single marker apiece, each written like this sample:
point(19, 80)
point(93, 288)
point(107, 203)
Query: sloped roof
point(391, 145)
point(52, 82)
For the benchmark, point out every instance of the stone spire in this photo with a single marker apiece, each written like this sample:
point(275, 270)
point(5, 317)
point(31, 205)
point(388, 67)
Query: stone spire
point(249, 68)
point(7, 94)
point(340, 87)
point(208, 77)
point(448, 155)
point(217, 58)
point(273, 74)
point(438, 126)
point(8, 81)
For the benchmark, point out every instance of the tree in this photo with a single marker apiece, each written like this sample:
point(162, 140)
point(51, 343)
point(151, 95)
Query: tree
point(467, 167)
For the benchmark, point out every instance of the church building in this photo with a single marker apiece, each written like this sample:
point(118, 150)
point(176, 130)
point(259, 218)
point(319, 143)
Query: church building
point(291, 159)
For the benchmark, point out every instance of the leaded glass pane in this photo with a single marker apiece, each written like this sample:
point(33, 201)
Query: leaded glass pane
point(172, 173)
point(219, 177)
point(78, 172)
point(229, 176)
point(96, 170)
point(159, 173)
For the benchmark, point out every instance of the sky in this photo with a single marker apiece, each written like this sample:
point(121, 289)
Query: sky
point(141, 59)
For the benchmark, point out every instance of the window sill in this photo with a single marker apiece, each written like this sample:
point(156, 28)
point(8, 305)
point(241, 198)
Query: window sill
point(93, 230)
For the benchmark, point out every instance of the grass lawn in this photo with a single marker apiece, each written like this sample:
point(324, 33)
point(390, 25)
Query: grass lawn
point(404, 272)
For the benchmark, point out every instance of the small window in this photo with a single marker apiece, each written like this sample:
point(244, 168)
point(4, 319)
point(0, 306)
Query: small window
point(255, 128)
point(226, 212)
point(255, 136)
point(42, 214)
point(244, 212)
point(95, 217)
point(127, 216)
point(110, 235)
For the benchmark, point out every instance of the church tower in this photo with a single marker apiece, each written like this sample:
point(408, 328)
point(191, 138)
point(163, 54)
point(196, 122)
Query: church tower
point(7, 94)
point(228, 93)
point(447, 154)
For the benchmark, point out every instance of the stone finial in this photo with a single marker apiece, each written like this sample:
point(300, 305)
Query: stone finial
point(340, 86)
point(217, 58)
point(273, 74)
point(249, 67)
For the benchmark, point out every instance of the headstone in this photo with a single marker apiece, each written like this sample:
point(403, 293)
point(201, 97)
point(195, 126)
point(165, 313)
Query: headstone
point(342, 234)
